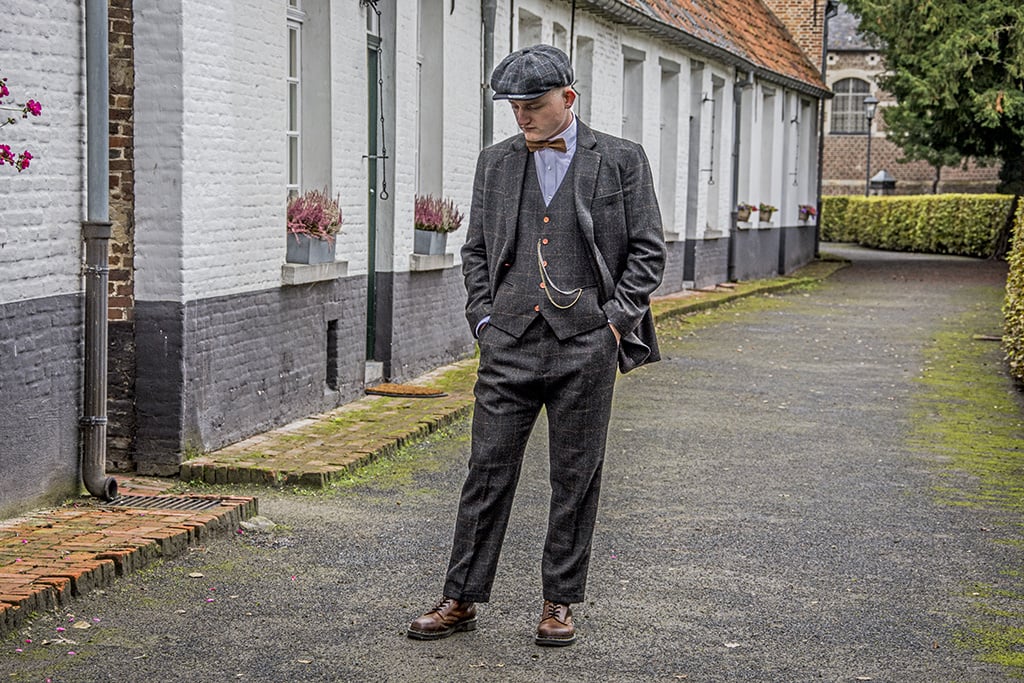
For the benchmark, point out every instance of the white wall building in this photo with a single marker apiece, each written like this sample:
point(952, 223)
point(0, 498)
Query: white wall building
point(376, 101)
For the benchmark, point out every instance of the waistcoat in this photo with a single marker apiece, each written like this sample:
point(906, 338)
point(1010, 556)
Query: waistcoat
point(522, 295)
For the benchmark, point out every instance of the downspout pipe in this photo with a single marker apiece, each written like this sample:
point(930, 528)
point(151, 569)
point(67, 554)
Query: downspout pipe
point(830, 11)
point(489, 10)
point(737, 101)
point(96, 233)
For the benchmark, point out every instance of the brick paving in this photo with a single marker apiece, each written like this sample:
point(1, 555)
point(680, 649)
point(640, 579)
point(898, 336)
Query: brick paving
point(49, 557)
point(315, 451)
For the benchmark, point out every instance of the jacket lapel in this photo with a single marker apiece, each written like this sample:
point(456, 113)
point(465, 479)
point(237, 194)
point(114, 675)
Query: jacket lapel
point(587, 164)
point(511, 172)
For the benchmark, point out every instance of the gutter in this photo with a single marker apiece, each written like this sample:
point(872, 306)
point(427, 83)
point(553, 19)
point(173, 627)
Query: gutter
point(96, 232)
point(617, 11)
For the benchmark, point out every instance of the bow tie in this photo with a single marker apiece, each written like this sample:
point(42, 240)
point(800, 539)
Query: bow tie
point(556, 144)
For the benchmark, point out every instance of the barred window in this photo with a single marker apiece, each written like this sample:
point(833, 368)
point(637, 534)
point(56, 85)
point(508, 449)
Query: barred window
point(848, 106)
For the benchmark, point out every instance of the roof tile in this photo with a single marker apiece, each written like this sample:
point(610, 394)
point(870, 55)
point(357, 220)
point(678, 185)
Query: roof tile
point(744, 28)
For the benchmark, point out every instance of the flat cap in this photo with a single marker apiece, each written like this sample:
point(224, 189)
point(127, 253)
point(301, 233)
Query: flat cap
point(528, 73)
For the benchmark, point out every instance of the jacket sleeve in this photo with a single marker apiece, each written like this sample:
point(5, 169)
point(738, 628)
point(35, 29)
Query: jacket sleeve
point(475, 266)
point(645, 249)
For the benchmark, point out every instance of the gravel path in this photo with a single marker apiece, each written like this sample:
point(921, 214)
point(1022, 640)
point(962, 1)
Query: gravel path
point(763, 519)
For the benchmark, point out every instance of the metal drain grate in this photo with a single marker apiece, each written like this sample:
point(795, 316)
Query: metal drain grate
point(165, 502)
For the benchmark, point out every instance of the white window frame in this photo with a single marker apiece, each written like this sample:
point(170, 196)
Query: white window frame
point(293, 78)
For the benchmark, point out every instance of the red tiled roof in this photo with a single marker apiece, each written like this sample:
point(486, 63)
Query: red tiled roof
point(746, 29)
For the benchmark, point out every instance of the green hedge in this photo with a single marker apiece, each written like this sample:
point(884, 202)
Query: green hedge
point(962, 224)
point(1013, 306)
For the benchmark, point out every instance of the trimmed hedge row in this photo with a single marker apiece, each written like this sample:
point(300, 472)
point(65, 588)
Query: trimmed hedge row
point(1013, 305)
point(961, 224)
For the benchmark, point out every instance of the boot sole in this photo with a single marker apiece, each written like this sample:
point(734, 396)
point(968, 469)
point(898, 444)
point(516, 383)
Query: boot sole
point(554, 642)
point(469, 625)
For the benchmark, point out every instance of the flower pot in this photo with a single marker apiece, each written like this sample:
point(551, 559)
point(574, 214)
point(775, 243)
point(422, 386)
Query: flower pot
point(743, 215)
point(805, 213)
point(766, 216)
point(310, 250)
point(429, 242)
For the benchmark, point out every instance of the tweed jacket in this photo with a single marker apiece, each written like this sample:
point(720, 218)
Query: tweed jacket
point(616, 211)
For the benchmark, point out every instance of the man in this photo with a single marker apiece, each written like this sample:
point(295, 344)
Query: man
point(564, 248)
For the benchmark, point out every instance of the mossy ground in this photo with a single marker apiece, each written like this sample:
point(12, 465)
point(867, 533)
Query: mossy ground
point(969, 419)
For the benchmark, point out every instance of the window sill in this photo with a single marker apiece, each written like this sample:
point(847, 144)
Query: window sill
point(419, 263)
point(674, 237)
point(302, 274)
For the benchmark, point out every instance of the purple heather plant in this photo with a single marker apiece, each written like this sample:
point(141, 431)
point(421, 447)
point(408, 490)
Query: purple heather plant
point(314, 213)
point(20, 160)
point(436, 214)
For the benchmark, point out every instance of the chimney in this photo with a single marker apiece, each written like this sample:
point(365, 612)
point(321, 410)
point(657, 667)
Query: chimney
point(805, 21)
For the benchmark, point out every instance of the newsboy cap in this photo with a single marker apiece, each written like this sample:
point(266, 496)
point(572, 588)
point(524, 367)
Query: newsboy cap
point(528, 73)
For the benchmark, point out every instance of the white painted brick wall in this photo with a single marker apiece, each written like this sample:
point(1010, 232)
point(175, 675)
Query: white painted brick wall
point(349, 129)
point(41, 208)
point(159, 94)
point(462, 126)
point(211, 114)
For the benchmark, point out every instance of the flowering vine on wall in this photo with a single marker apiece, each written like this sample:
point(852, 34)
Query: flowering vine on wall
point(21, 160)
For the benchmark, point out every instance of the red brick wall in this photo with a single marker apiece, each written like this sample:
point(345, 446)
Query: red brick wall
point(122, 160)
point(845, 160)
point(804, 19)
point(121, 293)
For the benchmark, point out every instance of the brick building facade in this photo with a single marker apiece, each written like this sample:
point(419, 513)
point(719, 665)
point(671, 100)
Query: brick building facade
point(853, 62)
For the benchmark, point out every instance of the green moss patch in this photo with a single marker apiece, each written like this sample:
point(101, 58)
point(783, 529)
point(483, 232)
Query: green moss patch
point(968, 420)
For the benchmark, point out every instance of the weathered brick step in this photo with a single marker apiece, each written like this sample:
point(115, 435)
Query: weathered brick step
point(51, 557)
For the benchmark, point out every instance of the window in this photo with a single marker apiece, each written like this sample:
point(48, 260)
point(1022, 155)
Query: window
point(560, 37)
point(848, 106)
point(294, 80)
point(584, 77)
point(632, 94)
point(530, 26)
point(430, 112)
point(668, 153)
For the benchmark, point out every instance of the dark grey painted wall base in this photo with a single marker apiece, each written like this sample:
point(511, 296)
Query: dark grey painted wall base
point(675, 265)
point(707, 261)
point(798, 247)
point(41, 359)
point(215, 371)
point(755, 254)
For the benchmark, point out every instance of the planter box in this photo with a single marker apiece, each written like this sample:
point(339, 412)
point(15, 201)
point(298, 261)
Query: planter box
point(429, 242)
point(306, 249)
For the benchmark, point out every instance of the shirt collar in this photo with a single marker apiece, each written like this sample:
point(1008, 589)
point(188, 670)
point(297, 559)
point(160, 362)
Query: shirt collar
point(569, 134)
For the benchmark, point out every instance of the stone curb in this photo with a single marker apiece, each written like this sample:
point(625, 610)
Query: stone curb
point(301, 454)
point(50, 557)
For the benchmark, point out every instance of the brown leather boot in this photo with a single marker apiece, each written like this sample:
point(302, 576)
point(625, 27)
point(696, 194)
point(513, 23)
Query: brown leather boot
point(450, 616)
point(555, 627)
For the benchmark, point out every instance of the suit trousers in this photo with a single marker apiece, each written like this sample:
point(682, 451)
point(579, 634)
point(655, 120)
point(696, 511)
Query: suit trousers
point(573, 380)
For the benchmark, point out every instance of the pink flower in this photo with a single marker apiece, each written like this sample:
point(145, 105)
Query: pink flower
point(33, 107)
point(4, 92)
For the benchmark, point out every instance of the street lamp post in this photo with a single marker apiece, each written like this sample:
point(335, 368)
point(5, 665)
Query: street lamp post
point(870, 106)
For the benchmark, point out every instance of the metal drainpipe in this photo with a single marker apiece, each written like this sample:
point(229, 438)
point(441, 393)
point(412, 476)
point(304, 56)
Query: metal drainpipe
point(489, 9)
point(830, 11)
point(737, 103)
point(96, 232)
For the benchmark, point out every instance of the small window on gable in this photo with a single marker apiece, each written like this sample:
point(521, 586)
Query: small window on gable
point(848, 106)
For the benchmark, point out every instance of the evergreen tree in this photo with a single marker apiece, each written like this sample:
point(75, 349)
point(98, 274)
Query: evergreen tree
point(956, 70)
